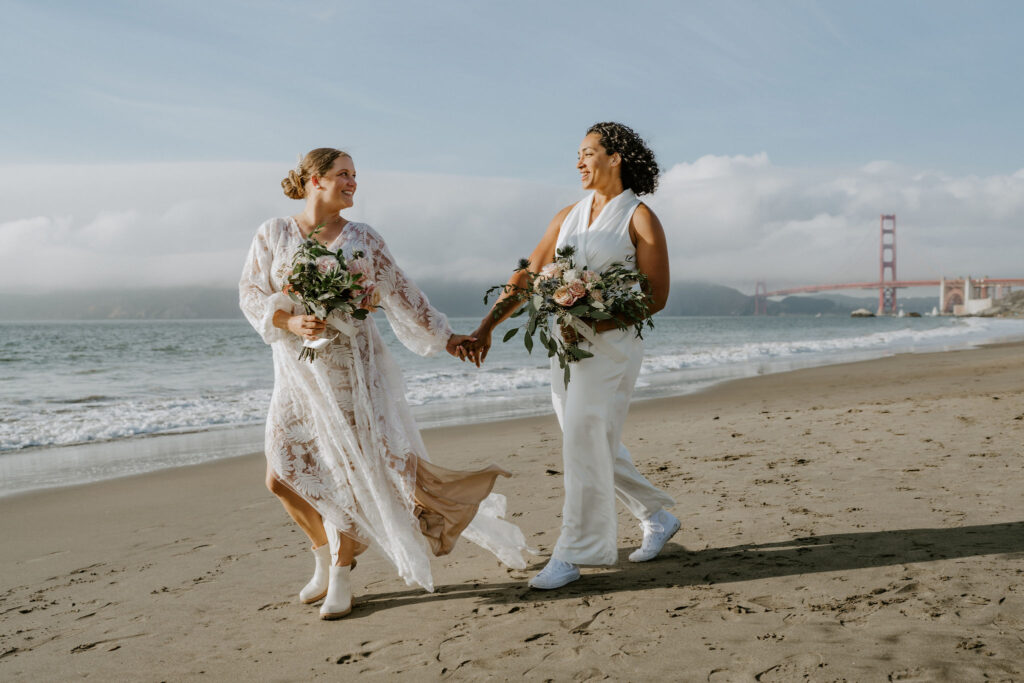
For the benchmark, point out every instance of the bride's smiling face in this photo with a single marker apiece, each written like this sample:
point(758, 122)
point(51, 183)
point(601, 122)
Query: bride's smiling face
point(338, 186)
point(597, 168)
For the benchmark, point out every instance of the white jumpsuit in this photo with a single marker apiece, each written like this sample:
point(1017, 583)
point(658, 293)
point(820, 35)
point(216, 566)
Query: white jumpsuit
point(593, 408)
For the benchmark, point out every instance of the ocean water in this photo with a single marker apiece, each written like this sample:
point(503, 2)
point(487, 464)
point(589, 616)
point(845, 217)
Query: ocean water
point(82, 401)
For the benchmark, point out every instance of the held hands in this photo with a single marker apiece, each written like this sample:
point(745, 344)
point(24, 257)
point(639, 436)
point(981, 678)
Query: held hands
point(306, 326)
point(476, 348)
point(457, 346)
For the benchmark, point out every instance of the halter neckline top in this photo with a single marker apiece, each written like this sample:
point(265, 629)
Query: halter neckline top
point(606, 240)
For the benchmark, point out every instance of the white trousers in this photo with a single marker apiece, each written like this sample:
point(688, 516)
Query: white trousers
point(598, 468)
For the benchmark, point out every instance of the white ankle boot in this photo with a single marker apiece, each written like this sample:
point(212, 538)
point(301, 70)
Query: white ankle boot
point(317, 586)
point(338, 602)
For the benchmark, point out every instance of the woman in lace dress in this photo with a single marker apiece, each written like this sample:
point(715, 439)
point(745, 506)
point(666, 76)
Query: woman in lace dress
point(344, 455)
point(609, 225)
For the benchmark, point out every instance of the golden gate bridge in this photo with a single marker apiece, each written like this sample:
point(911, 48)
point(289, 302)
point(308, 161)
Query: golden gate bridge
point(953, 293)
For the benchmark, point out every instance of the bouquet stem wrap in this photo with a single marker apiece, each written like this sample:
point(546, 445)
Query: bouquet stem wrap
point(595, 339)
point(334, 320)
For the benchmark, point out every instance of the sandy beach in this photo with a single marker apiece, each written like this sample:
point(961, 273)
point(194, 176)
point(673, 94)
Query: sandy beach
point(859, 522)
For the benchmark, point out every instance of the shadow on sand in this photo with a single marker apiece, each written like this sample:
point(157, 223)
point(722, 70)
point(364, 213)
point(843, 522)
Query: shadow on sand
point(677, 567)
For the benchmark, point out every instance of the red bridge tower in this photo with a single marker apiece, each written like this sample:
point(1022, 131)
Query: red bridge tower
point(761, 298)
point(886, 290)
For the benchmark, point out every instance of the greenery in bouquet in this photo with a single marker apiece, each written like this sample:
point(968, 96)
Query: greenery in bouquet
point(323, 282)
point(566, 296)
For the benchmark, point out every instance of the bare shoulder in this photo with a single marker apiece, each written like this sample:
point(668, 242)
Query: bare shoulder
point(644, 214)
point(556, 222)
point(560, 216)
point(644, 223)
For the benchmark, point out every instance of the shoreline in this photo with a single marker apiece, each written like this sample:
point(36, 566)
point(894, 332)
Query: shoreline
point(191, 446)
point(857, 521)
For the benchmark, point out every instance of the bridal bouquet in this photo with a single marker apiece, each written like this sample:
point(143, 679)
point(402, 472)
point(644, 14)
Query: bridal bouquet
point(324, 283)
point(575, 298)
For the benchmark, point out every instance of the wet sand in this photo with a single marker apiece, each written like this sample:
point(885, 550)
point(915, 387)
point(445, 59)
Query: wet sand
point(857, 522)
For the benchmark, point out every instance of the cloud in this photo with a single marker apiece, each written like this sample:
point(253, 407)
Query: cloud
point(729, 219)
point(739, 219)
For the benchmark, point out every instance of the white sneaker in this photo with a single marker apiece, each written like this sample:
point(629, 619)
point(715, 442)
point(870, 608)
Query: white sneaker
point(657, 530)
point(338, 602)
point(555, 575)
point(317, 586)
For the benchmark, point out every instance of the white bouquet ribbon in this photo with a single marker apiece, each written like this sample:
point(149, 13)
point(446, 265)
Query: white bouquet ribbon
point(601, 345)
point(320, 342)
point(337, 322)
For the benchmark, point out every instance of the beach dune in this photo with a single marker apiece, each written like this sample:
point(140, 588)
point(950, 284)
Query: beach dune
point(853, 522)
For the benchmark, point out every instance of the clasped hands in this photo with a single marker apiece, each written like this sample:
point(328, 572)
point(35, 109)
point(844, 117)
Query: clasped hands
point(474, 347)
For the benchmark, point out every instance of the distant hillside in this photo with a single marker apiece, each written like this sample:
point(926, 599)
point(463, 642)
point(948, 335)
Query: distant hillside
point(846, 303)
point(152, 304)
point(458, 299)
point(704, 298)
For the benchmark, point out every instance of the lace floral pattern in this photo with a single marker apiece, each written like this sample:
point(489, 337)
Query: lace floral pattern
point(339, 431)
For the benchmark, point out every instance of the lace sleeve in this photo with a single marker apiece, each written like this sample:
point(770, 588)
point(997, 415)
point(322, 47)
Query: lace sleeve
point(419, 326)
point(256, 293)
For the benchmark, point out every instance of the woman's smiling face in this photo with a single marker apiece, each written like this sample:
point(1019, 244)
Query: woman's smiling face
point(338, 186)
point(597, 168)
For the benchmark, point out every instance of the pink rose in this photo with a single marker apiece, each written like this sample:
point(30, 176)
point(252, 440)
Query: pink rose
point(326, 264)
point(567, 295)
point(590, 276)
point(551, 270)
point(562, 296)
point(359, 266)
point(371, 298)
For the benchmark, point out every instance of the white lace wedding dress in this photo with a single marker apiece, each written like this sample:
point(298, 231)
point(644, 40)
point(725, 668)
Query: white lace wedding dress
point(339, 430)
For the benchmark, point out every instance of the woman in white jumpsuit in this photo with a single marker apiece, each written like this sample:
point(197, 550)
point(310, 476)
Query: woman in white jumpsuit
point(609, 225)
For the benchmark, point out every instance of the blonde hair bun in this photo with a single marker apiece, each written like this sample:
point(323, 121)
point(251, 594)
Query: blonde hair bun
point(293, 186)
point(317, 162)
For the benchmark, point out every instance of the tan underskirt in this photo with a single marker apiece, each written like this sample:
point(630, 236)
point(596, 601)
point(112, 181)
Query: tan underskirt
point(447, 500)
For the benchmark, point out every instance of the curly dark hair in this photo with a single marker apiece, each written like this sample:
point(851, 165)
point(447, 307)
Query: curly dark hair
point(639, 167)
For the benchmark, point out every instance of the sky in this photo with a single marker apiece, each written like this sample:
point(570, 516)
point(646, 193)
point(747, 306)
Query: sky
point(143, 142)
